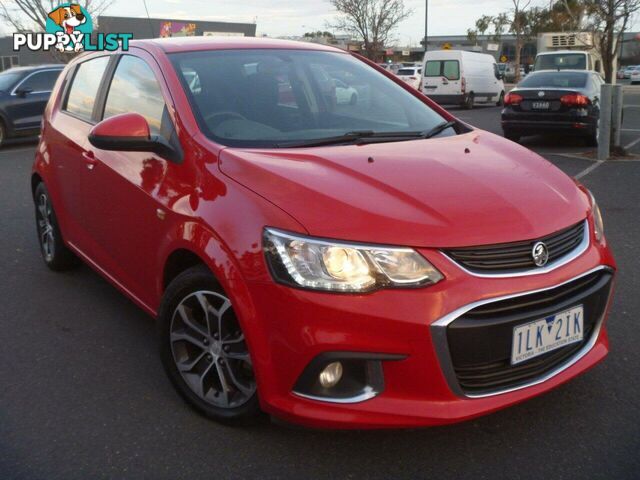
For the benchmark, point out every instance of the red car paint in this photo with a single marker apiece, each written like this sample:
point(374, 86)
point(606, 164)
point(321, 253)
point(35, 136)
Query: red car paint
point(127, 213)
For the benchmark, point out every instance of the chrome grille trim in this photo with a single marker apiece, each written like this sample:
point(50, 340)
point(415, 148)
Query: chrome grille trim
point(559, 262)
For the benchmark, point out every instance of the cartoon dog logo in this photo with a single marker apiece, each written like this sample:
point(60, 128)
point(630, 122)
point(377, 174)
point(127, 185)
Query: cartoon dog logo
point(68, 18)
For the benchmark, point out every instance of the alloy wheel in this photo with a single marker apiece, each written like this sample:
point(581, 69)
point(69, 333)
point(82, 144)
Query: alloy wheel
point(209, 350)
point(45, 227)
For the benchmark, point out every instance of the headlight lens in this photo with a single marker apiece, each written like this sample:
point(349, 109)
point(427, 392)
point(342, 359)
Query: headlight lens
point(342, 267)
point(598, 224)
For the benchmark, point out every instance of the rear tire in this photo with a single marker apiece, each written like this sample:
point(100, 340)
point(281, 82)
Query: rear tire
point(514, 137)
point(205, 354)
point(469, 102)
point(594, 137)
point(55, 253)
point(500, 102)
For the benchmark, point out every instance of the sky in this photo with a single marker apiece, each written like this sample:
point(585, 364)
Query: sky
point(295, 17)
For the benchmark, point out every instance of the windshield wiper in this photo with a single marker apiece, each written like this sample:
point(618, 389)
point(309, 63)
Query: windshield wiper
point(439, 129)
point(318, 142)
point(362, 137)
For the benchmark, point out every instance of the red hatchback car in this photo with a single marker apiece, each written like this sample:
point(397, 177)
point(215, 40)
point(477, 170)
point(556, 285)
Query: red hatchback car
point(375, 263)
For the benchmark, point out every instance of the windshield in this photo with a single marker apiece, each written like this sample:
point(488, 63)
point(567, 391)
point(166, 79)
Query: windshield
point(562, 61)
point(8, 80)
point(265, 98)
point(555, 80)
point(407, 71)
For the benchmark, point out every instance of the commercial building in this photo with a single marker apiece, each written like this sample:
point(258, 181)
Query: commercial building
point(139, 27)
point(166, 27)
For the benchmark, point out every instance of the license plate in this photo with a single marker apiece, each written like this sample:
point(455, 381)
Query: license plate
point(540, 105)
point(547, 334)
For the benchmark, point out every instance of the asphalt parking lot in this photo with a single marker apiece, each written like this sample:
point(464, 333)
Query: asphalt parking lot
point(84, 395)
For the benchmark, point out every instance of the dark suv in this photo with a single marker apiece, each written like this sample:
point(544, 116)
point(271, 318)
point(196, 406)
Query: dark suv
point(24, 92)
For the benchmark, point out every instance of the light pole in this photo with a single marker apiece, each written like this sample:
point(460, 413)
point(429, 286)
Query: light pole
point(426, 25)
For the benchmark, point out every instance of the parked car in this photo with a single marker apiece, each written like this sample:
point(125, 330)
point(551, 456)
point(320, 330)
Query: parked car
point(412, 76)
point(462, 78)
point(390, 67)
point(345, 93)
point(383, 265)
point(629, 70)
point(635, 77)
point(545, 102)
point(620, 74)
point(24, 92)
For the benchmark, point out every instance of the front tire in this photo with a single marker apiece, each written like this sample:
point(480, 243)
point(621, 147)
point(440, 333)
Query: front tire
point(469, 102)
point(55, 253)
point(203, 349)
point(354, 99)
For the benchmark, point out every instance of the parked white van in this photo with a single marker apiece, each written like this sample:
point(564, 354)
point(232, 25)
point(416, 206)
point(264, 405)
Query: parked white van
point(462, 78)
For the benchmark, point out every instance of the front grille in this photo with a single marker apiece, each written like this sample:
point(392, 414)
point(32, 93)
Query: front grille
point(517, 257)
point(480, 340)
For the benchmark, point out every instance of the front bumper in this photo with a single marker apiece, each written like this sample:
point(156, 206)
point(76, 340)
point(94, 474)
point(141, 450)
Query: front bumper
point(419, 388)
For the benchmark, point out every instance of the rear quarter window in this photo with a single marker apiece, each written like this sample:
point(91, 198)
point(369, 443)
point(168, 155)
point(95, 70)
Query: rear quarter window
point(84, 87)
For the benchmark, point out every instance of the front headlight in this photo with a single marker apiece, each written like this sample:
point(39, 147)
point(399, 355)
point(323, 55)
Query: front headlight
point(344, 267)
point(598, 224)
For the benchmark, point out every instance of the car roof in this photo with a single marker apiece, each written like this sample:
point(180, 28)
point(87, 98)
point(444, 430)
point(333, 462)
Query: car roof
point(562, 70)
point(555, 52)
point(189, 44)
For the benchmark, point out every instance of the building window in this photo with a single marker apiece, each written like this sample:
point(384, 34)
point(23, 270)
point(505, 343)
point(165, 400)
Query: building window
point(8, 61)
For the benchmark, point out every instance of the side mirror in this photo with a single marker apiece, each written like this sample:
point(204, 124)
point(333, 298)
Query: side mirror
point(23, 91)
point(129, 132)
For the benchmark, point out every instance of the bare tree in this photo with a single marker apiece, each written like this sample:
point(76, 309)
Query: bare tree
point(24, 15)
point(609, 19)
point(519, 26)
point(371, 20)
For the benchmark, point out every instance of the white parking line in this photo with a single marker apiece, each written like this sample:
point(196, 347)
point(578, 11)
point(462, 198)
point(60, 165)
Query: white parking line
point(632, 144)
point(587, 171)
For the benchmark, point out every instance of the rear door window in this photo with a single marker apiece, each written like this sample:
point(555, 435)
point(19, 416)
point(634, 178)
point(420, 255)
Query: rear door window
point(134, 88)
point(40, 81)
point(450, 69)
point(84, 87)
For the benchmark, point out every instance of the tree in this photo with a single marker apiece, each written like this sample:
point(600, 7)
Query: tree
point(482, 25)
point(371, 20)
point(520, 27)
point(608, 20)
point(24, 15)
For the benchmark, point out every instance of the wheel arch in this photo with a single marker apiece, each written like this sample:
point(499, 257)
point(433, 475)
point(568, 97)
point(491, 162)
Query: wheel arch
point(196, 244)
point(36, 179)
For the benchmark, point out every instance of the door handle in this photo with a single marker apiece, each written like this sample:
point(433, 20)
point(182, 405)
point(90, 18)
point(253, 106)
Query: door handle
point(90, 159)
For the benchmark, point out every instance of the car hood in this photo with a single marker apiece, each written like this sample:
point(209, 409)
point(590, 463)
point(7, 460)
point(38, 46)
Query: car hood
point(471, 189)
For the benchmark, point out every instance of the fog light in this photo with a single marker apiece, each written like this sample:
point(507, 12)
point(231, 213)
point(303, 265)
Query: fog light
point(331, 375)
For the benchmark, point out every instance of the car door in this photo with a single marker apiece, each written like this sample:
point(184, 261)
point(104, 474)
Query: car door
point(128, 194)
point(67, 141)
point(29, 98)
